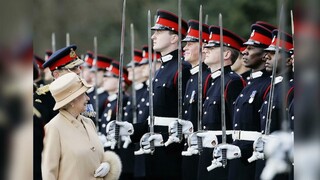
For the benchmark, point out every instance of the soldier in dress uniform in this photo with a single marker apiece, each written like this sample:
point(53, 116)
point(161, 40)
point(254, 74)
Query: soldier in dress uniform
point(143, 108)
point(47, 73)
point(86, 73)
point(111, 82)
point(99, 70)
point(283, 78)
point(62, 61)
point(165, 163)
point(39, 82)
point(246, 107)
point(127, 155)
point(239, 67)
point(190, 103)
point(211, 121)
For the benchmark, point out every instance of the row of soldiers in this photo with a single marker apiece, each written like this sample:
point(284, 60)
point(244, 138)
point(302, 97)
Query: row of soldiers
point(161, 153)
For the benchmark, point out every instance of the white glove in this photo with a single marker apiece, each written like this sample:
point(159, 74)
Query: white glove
point(145, 143)
point(277, 149)
point(258, 147)
point(192, 145)
point(233, 151)
point(102, 170)
point(103, 138)
point(209, 139)
point(187, 129)
point(125, 128)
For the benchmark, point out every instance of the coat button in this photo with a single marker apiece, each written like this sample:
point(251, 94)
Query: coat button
point(207, 97)
point(265, 102)
point(214, 102)
point(142, 100)
point(241, 95)
point(238, 110)
point(105, 114)
point(185, 111)
point(292, 117)
point(108, 105)
point(205, 112)
point(125, 114)
point(191, 80)
point(162, 67)
point(156, 80)
point(204, 127)
point(263, 117)
point(140, 112)
point(103, 125)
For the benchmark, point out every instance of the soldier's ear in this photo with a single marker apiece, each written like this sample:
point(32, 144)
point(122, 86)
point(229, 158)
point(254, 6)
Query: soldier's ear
point(289, 61)
point(174, 38)
point(55, 74)
point(227, 54)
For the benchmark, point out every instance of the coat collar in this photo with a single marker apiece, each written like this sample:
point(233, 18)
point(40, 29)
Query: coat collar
point(112, 97)
point(69, 117)
point(170, 56)
point(194, 70)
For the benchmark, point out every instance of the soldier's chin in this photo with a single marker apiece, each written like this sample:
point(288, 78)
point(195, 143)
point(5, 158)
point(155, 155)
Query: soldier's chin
point(269, 69)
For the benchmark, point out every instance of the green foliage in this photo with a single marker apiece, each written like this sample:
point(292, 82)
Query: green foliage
point(85, 19)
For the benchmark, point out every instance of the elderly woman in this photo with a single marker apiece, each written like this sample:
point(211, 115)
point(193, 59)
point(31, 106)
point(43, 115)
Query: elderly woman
point(72, 149)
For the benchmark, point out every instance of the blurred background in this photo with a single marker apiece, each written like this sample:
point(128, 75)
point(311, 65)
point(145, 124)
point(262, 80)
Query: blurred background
point(84, 19)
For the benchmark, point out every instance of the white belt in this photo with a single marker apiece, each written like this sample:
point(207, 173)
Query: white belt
point(162, 121)
point(245, 135)
point(219, 133)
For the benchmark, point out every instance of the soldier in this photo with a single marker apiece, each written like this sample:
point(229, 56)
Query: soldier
point(127, 155)
point(246, 107)
point(86, 73)
point(279, 102)
point(62, 61)
point(190, 103)
point(165, 163)
point(212, 104)
point(239, 67)
point(99, 70)
point(143, 109)
point(47, 73)
point(39, 81)
point(110, 84)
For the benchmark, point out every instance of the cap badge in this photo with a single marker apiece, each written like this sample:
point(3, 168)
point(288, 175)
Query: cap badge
point(210, 35)
point(143, 53)
point(158, 18)
point(252, 34)
point(189, 30)
point(72, 53)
